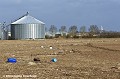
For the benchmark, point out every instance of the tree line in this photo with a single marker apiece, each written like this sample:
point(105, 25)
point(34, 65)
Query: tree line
point(72, 32)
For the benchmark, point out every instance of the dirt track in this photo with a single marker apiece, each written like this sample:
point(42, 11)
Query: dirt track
point(77, 59)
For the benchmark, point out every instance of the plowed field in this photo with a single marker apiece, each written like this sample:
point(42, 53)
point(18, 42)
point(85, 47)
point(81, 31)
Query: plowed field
point(76, 59)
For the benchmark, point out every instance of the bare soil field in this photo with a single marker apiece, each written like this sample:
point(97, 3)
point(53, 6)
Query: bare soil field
point(76, 59)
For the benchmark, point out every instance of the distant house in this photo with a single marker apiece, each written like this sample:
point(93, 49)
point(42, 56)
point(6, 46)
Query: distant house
point(64, 33)
point(82, 34)
point(48, 34)
point(58, 34)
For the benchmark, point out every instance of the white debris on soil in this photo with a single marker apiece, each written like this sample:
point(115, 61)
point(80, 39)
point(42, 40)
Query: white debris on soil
point(51, 47)
point(71, 51)
point(31, 63)
point(55, 53)
point(61, 51)
point(42, 46)
point(13, 55)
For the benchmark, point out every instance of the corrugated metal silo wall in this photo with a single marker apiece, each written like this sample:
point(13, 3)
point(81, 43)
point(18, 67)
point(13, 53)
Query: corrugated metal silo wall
point(27, 31)
point(12, 31)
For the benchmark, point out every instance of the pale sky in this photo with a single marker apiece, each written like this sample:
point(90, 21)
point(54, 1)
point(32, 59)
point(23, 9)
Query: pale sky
point(104, 13)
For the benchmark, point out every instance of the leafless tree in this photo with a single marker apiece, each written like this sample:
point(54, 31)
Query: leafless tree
point(63, 30)
point(53, 29)
point(73, 30)
point(94, 29)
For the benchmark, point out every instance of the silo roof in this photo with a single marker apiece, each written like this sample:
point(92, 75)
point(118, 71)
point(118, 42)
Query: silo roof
point(27, 19)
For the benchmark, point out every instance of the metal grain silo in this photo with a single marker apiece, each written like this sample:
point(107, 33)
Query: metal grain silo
point(27, 27)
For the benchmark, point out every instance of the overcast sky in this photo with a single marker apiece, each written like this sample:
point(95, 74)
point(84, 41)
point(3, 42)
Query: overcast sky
point(104, 13)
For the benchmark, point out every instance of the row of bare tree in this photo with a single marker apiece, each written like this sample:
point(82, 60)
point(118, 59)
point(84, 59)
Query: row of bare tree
point(93, 28)
point(93, 31)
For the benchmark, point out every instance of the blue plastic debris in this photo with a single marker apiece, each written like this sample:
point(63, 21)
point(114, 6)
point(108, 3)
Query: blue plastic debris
point(54, 60)
point(12, 60)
